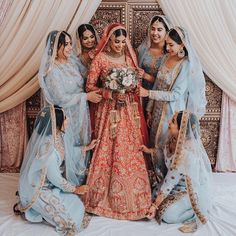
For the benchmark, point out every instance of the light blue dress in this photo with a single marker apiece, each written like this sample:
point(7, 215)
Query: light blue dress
point(186, 188)
point(174, 187)
point(53, 200)
point(64, 86)
point(150, 65)
point(168, 96)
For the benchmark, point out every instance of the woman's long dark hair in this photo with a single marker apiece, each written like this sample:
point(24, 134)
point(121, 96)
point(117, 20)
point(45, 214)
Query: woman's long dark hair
point(120, 32)
point(82, 28)
point(160, 19)
point(173, 34)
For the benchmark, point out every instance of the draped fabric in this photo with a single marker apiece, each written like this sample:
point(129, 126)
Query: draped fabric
point(24, 26)
point(226, 156)
point(23, 34)
point(13, 136)
point(212, 26)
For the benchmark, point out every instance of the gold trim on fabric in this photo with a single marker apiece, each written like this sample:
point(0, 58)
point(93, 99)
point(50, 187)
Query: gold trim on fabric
point(44, 170)
point(177, 157)
point(168, 201)
point(193, 200)
point(54, 53)
point(36, 195)
point(164, 109)
point(53, 121)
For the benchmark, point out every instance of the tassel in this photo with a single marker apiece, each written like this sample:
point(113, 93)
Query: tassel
point(135, 114)
point(134, 107)
point(114, 119)
point(137, 121)
point(113, 130)
point(113, 116)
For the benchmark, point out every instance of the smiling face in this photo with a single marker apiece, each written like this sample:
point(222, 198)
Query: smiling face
point(172, 47)
point(65, 49)
point(157, 32)
point(117, 44)
point(173, 126)
point(88, 39)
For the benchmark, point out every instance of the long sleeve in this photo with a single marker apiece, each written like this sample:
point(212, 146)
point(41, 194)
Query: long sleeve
point(171, 180)
point(55, 177)
point(179, 88)
point(57, 93)
point(94, 73)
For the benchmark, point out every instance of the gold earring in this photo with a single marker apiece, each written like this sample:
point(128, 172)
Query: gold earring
point(181, 53)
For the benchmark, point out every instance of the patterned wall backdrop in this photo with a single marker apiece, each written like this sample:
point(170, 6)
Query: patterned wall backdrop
point(135, 15)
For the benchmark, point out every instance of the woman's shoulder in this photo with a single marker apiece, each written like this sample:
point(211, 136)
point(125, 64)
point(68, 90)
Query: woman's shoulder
point(184, 62)
point(100, 56)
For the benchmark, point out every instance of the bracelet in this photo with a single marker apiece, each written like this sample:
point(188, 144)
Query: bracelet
point(149, 93)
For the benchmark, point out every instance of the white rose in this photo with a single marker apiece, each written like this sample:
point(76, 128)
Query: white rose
point(113, 76)
point(127, 81)
point(113, 85)
point(125, 70)
point(131, 77)
point(130, 72)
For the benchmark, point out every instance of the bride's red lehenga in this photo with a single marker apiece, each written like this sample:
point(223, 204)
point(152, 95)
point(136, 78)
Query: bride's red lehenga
point(118, 180)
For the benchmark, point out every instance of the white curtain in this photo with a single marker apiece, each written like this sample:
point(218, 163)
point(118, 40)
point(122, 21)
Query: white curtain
point(212, 27)
point(226, 158)
point(22, 39)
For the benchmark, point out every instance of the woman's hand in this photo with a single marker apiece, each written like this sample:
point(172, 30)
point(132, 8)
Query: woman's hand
point(143, 92)
point(148, 77)
point(91, 145)
point(80, 190)
point(151, 212)
point(94, 96)
point(140, 72)
point(145, 149)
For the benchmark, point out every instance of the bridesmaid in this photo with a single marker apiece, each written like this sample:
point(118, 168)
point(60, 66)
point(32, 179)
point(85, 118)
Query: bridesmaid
point(185, 195)
point(151, 51)
point(180, 85)
point(44, 194)
point(87, 39)
point(63, 85)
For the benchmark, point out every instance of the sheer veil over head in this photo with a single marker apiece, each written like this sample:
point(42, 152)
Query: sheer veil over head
point(48, 59)
point(196, 101)
point(108, 31)
point(37, 156)
point(63, 85)
point(191, 159)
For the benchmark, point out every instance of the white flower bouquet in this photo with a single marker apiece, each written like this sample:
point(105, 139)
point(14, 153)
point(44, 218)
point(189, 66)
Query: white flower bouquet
point(121, 80)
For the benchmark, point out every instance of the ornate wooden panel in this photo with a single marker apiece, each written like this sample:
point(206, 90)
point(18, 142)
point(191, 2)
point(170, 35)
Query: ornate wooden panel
point(139, 16)
point(135, 15)
point(109, 13)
